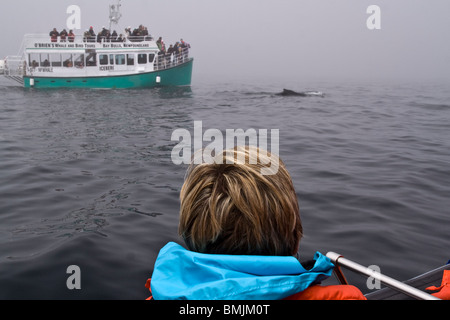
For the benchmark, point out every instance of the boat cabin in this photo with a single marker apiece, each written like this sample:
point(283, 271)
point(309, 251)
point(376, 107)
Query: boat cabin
point(80, 58)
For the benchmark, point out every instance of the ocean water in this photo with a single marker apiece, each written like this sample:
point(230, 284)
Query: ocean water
point(87, 177)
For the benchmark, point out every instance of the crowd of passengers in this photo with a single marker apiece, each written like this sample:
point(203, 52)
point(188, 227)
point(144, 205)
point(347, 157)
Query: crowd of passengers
point(63, 35)
point(104, 35)
point(173, 55)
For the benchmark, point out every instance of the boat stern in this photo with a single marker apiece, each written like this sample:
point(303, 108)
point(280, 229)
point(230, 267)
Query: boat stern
point(2, 66)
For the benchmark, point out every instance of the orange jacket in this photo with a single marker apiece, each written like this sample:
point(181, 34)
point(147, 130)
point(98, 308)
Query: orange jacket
point(444, 289)
point(317, 292)
point(334, 292)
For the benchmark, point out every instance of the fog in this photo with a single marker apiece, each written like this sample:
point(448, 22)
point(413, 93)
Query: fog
point(295, 39)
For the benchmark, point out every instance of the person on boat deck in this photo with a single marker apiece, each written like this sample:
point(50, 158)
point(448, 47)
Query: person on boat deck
point(240, 221)
point(138, 34)
point(169, 54)
point(63, 35)
point(128, 32)
point(71, 36)
point(100, 38)
point(91, 35)
point(146, 35)
point(159, 43)
point(120, 38)
point(54, 34)
point(185, 48)
point(104, 35)
point(114, 36)
point(86, 36)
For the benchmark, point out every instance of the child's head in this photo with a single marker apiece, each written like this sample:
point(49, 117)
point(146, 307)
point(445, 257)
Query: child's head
point(229, 207)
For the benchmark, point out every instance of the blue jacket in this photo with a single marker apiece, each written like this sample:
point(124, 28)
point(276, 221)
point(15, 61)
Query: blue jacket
point(182, 274)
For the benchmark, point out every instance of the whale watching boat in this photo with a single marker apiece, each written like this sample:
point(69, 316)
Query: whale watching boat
point(88, 61)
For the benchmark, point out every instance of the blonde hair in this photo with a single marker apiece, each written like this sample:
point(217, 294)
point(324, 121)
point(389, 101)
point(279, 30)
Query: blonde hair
point(231, 208)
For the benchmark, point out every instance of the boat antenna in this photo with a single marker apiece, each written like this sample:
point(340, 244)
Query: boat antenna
point(114, 14)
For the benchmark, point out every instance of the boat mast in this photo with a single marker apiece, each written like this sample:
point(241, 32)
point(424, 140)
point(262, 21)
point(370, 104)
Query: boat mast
point(114, 14)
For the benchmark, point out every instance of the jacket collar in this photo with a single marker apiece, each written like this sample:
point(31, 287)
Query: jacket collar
point(183, 274)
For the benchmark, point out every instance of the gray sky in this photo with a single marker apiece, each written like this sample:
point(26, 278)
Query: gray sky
point(297, 39)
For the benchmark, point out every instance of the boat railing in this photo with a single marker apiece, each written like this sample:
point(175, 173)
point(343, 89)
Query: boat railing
point(338, 260)
point(167, 60)
point(14, 68)
point(82, 38)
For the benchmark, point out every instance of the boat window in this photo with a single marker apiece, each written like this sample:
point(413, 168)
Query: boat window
point(151, 57)
point(103, 58)
point(120, 59)
point(142, 58)
point(45, 60)
point(78, 60)
point(91, 58)
point(111, 59)
point(33, 60)
point(67, 60)
point(55, 59)
point(130, 59)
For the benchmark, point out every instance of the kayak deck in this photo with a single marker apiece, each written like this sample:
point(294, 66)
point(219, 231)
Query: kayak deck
point(431, 278)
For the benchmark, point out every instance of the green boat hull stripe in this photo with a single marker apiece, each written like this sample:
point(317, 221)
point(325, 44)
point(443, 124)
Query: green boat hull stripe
point(180, 75)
